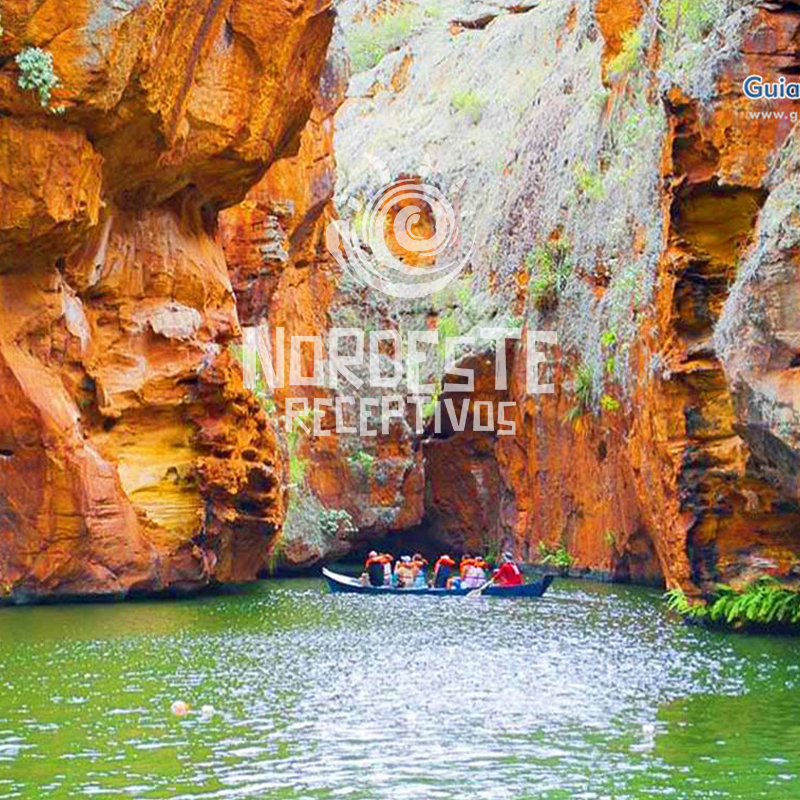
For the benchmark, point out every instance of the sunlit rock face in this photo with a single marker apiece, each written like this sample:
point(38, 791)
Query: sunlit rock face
point(178, 184)
point(623, 146)
point(284, 276)
point(131, 458)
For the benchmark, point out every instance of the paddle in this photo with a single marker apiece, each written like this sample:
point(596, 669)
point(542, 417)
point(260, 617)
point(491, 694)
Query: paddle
point(477, 592)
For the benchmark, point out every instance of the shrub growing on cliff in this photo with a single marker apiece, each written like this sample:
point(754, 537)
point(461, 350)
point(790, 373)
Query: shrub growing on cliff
point(36, 73)
point(584, 393)
point(630, 56)
point(608, 340)
point(447, 327)
point(589, 182)
point(362, 461)
point(609, 403)
point(690, 18)
point(556, 556)
point(468, 103)
point(549, 267)
point(369, 42)
point(298, 465)
point(429, 408)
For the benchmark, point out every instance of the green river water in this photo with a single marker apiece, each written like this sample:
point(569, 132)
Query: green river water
point(592, 692)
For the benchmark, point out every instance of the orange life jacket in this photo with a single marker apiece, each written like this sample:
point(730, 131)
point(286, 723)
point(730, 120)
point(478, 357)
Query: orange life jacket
point(445, 560)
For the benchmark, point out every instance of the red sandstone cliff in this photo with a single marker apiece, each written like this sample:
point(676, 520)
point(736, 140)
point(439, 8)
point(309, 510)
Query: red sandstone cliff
point(130, 457)
point(284, 276)
point(609, 138)
point(626, 150)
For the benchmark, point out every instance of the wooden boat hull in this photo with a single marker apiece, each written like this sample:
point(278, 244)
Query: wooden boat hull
point(343, 584)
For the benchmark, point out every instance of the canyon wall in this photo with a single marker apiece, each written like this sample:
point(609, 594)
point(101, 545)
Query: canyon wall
point(170, 176)
point(131, 458)
point(346, 491)
point(619, 189)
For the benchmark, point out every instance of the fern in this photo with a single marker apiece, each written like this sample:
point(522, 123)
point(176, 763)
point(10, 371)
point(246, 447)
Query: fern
point(763, 602)
point(679, 603)
point(557, 556)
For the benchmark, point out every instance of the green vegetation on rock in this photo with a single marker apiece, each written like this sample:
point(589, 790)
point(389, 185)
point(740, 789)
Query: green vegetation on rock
point(589, 182)
point(584, 391)
point(469, 103)
point(549, 267)
point(36, 73)
point(609, 403)
point(630, 56)
point(447, 327)
point(363, 462)
point(297, 464)
point(369, 42)
point(689, 18)
point(557, 556)
point(762, 603)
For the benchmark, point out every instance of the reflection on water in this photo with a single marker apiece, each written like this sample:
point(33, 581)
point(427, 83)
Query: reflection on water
point(589, 693)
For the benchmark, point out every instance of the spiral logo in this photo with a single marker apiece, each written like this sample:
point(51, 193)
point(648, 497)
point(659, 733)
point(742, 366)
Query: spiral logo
point(403, 241)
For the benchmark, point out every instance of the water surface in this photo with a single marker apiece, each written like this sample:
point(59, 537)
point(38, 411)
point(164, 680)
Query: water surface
point(592, 692)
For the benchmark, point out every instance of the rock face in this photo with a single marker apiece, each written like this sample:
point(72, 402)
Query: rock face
point(131, 458)
point(620, 189)
point(284, 276)
point(171, 174)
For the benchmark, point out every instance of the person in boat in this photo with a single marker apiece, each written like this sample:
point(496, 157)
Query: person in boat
point(474, 576)
point(375, 567)
point(404, 573)
point(419, 564)
point(388, 574)
point(443, 571)
point(463, 565)
point(509, 573)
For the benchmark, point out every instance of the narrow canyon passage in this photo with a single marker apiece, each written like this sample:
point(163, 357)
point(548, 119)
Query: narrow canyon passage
point(399, 398)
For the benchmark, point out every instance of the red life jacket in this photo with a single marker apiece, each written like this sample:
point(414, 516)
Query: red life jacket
point(508, 575)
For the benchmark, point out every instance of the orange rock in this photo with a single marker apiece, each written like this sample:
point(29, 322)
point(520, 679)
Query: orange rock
point(51, 188)
point(616, 19)
point(133, 460)
point(282, 273)
point(671, 489)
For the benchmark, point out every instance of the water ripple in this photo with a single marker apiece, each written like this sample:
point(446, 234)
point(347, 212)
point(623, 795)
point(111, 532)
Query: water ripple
point(590, 693)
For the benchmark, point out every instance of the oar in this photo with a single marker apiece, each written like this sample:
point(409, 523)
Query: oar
point(477, 592)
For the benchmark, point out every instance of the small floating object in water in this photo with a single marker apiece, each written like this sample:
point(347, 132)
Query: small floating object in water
point(207, 711)
point(179, 708)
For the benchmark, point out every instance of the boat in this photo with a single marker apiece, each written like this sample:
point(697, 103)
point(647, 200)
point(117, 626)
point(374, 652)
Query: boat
point(344, 584)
